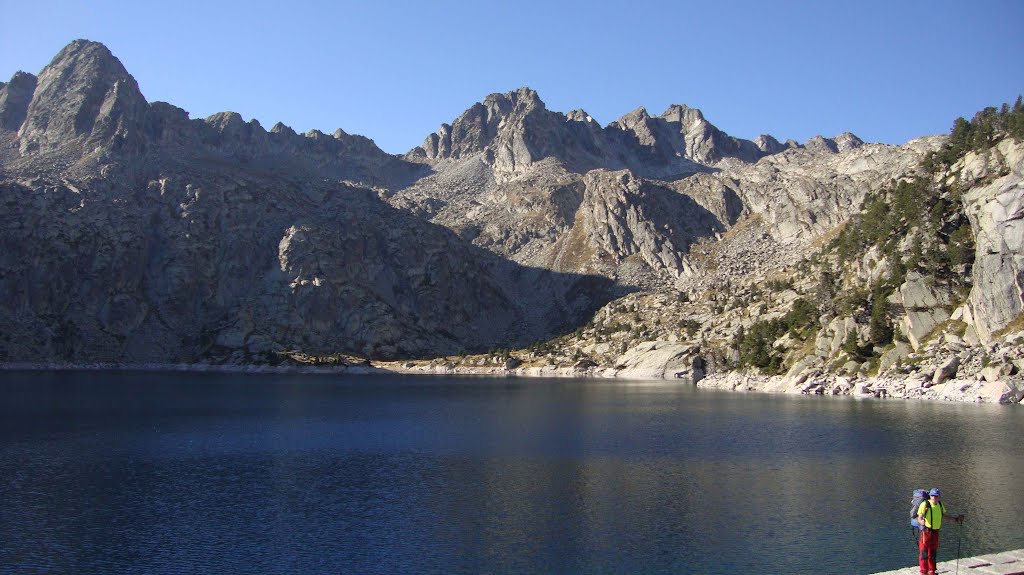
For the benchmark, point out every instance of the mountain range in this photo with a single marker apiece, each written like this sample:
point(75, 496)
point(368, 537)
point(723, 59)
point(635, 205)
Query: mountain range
point(133, 234)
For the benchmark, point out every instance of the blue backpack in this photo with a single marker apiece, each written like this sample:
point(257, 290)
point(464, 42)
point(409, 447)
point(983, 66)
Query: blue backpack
point(920, 495)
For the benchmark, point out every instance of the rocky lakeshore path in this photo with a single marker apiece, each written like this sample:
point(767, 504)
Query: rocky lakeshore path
point(973, 390)
point(1005, 563)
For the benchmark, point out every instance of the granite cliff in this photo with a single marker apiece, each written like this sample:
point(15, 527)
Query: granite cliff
point(655, 246)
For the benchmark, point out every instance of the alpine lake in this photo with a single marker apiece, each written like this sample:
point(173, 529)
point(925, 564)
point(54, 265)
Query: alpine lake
point(174, 472)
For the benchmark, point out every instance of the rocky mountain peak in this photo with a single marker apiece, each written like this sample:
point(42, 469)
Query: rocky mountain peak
point(848, 141)
point(821, 144)
point(580, 115)
point(83, 95)
point(512, 131)
point(15, 97)
point(226, 120)
point(636, 117)
point(477, 127)
point(682, 114)
point(842, 143)
point(280, 128)
point(769, 145)
point(522, 98)
point(652, 138)
point(679, 137)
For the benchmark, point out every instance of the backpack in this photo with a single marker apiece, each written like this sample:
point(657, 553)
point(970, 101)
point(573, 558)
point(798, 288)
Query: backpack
point(920, 495)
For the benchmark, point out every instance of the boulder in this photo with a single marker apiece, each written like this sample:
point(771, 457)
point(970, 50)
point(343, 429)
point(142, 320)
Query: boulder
point(661, 360)
point(919, 379)
point(831, 339)
point(889, 358)
point(946, 370)
point(997, 372)
point(798, 373)
point(850, 367)
point(1011, 391)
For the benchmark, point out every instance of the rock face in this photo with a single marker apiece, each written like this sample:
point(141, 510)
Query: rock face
point(925, 307)
point(995, 206)
point(187, 266)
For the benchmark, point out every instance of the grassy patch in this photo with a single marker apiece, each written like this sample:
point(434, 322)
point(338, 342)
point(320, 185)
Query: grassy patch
point(1014, 326)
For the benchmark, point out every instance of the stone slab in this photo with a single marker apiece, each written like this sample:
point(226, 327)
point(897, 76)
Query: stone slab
point(1005, 563)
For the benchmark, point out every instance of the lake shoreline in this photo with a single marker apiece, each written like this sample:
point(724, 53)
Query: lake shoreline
point(1010, 391)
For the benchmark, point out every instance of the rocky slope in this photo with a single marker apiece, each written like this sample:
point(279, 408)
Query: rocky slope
point(949, 344)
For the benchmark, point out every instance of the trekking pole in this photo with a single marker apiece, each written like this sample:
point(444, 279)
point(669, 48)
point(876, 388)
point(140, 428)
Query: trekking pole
point(959, 538)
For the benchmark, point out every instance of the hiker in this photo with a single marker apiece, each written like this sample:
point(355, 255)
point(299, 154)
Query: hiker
point(930, 515)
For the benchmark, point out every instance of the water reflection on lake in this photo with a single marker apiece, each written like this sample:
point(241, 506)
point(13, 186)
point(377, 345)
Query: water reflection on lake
point(171, 472)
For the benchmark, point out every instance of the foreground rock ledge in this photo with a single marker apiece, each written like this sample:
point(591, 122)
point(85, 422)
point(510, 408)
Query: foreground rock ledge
point(1005, 563)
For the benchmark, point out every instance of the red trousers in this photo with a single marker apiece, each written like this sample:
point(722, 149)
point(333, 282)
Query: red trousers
point(929, 550)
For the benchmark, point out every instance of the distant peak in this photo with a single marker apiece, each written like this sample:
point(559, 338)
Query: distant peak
point(81, 45)
point(15, 97)
point(848, 141)
point(281, 128)
point(767, 143)
point(528, 93)
point(822, 144)
point(579, 115)
point(86, 51)
point(224, 119)
point(522, 97)
point(21, 77)
point(638, 115)
point(683, 114)
point(841, 143)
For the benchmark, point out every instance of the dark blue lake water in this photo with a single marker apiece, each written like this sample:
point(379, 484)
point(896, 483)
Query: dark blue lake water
point(202, 473)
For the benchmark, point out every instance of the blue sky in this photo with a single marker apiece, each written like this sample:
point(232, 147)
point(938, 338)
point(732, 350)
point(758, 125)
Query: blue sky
point(887, 71)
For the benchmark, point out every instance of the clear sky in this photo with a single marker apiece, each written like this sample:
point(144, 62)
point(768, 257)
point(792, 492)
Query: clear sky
point(394, 71)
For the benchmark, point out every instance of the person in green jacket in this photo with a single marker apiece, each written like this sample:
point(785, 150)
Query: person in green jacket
point(930, 514)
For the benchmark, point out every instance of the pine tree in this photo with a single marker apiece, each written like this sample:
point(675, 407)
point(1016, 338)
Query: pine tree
point(825, 292)
point(880, 327)
point(1015, 123)
point(960, 138)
